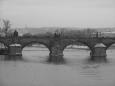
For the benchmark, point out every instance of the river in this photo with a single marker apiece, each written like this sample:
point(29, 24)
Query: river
point(35, 71)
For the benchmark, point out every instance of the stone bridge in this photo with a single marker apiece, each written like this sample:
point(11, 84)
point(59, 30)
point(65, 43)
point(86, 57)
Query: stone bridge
point(56, 45)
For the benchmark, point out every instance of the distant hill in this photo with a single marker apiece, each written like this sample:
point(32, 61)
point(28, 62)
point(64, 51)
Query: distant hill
point(35, 30)
point(52, 29)
point(105, 29)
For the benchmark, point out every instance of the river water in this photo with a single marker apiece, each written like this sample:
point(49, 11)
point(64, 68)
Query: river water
point(35, 71)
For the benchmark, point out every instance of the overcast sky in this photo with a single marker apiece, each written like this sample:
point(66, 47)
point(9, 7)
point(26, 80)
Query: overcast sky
point(59, 13)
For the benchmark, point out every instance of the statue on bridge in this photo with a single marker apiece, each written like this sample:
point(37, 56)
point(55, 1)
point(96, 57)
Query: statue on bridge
point(57, 35)
point(15, 37)
point(15, 33)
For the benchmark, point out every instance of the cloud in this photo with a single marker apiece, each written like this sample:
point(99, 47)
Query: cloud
point(75, 3)
point(60, 12)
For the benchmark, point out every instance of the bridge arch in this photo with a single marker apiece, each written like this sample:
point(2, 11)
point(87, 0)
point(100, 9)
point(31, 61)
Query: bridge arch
point(76, 54)
point(35, 42)
point(35, 53)
point(109, 45)
point(110, 51)
point(77, 43)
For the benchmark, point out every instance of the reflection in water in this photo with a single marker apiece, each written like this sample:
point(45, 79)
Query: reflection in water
point(9, 58)
point(76, 72)
point(35, 54)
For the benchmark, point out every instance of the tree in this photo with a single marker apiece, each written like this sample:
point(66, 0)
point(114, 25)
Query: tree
point(0, 26)
point(0, 29)
point(6, 26)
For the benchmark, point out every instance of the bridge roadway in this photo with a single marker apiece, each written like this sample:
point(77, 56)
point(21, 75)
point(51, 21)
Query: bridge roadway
point(56, 45)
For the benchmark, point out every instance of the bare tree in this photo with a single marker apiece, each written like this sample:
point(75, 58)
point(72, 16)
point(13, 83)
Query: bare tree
point(0, 29)
point(0, 26)
point(6, 26)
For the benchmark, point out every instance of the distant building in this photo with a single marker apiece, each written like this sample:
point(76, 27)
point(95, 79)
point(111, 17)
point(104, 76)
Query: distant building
point(104, 34)
point(107, 34)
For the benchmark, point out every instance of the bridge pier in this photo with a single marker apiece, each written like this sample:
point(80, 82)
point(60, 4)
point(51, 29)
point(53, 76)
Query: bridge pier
point(56, 55)
point(99, 53)
point(14, 52)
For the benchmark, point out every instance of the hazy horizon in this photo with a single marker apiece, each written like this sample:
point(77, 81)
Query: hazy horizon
point(59, 13)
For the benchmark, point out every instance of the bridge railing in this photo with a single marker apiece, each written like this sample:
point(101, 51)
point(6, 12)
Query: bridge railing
point(55, 37)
